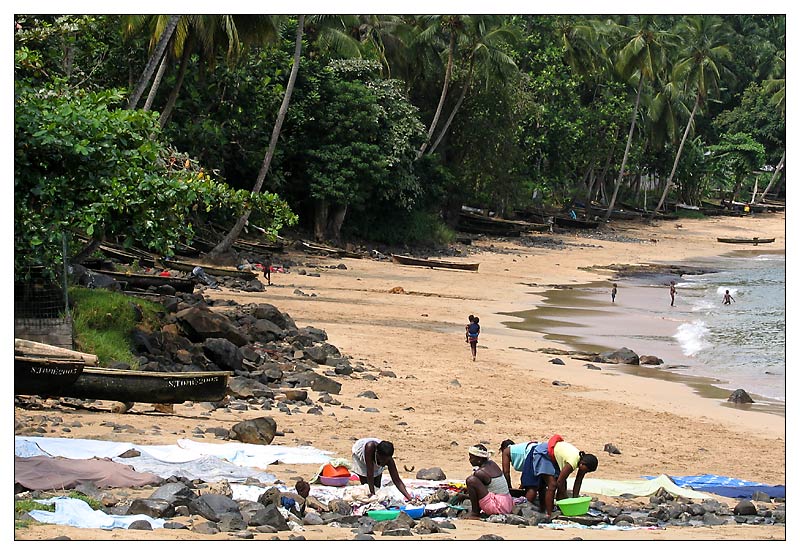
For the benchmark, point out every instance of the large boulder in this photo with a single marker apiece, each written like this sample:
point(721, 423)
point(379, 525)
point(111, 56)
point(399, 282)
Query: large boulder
point(620, 356)
point(268, 312)
point(740, 396)
point(259, 431)
point(245, 388)
point(650, 360)
point(212, 507)
point(315, 381)
point(200, 324)
point(223, 353)
point(265, 331)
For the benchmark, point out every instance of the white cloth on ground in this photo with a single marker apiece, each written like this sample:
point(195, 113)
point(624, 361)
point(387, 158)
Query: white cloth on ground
point(639, 488)
point(207, 468)
point(78, 513)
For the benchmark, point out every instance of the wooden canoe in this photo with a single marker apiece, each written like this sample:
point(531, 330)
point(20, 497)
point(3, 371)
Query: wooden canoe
point(45, 376)
point(564, 221)
point(143, 281)
point(329, 251)
point(246, 275)
point(133, 386)
point(427, 263)
point(744, 241)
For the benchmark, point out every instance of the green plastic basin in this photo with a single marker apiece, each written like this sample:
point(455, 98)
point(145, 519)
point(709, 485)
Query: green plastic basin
point(574, 506)
point(383, 515)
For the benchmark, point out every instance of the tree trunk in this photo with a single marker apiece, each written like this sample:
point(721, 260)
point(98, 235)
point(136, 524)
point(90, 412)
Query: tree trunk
point(161, 46)
point(446, 84)
point(166, 113)
point(772, 181)
point(467, 85)
point(677, 158)
point(156, 83)
point(627, 149)
point(233, 234)
point(335, 222)
point(321, 209)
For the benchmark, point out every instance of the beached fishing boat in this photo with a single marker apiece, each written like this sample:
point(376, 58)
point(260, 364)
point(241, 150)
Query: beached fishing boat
point(470, 222)
point(133, 386)
point(565, 221)
point(45, 376)
point(246, 275)
point(328, 251)
point(143, 281)
point(427, 263)
point(745, 241)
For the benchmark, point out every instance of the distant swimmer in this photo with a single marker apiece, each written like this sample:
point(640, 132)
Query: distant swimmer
point(613, 292)
point(726, 299)
point(672, 293)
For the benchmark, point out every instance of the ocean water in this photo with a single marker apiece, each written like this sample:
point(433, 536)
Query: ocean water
point(743, 343)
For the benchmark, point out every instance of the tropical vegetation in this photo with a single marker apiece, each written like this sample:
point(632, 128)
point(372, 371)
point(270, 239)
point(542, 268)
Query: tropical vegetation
point(152, 129)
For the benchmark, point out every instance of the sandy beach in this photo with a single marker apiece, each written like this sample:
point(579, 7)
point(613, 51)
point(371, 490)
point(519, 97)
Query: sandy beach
point(441, 402)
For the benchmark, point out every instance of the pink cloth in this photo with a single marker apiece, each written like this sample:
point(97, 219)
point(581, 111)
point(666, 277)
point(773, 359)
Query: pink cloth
point(496, 504)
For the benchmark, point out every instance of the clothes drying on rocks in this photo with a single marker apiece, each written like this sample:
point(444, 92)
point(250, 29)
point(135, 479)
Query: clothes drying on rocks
point(48, 473)
point(78, 513)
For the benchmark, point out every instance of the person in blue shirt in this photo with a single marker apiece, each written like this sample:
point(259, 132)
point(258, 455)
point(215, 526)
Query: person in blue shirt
point(473, 331)
point(514, 455)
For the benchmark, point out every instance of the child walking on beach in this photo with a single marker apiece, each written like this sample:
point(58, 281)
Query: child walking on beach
point(473, 331)
point(466, 328)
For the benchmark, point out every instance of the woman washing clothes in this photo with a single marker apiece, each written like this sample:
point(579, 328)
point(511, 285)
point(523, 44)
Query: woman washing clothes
point(513, 455)
point(370, 457)
point(486, 486)
point(552, 463)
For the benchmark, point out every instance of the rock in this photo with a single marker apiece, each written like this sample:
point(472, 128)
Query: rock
point(206, 527)
point(223, 353)
point(368, 394)
point(592, 367)
point(140, 525)
point(172, 525)
point(212, 507)
point(315, 381)
point(650, 360)
point(258, 431)
point(561, 384)
point(200, 324)
point(269, 312)
point(556, 361)
point(745, 508)
point(155, 508)
point(620, 356)
point(312, 519)
point(398, 531)
point(426, 526)
point(713, 520)
point(265, 331)
point(740, 396)
point(611, 449)
point(364, 537)
point(761, 497)
point(490, 537)
point(340, 506)
point(231, 523)
point(245, 388)
point(434, 473)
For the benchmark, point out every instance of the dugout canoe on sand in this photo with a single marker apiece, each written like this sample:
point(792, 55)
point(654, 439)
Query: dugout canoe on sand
point(426, 263)
point(133, 386)
point(745, 240)
point(45, 376)
point(246, 275)
point(143, 281)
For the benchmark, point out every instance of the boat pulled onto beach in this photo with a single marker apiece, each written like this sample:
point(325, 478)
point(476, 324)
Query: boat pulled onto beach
point(745, 240)
point(427, 263)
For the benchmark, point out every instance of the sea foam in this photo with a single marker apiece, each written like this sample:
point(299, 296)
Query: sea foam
point(691, 337)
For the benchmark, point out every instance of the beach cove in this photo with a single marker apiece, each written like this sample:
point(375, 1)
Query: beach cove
point(439, 402)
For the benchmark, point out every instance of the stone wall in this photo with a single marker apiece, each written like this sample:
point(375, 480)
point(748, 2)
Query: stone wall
point(52, 331)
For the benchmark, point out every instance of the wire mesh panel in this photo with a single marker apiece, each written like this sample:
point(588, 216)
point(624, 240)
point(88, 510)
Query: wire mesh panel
point(37, 296)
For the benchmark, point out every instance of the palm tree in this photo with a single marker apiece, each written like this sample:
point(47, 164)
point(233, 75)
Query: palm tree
point(698, 70)
point(486, 38)
point(227, 241)
point(431, 27)
point(641, 55)
point(778, 89)
point(164, 34)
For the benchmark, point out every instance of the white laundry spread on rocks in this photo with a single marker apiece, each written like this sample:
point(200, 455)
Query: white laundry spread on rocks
point(207, 468)
point(78, 513)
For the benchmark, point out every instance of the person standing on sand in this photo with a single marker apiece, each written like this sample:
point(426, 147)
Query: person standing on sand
point(672, 293)
point(613, 292)
point(473, 331)
point(514, 455)
point(486, 486)
point(727, 298)
point(552, 463)
point(370, 457)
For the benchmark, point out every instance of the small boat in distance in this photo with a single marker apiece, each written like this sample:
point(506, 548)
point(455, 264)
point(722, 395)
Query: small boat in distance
point(45, 376)
point(745, 241)
point(427, 263)
point(133, 386)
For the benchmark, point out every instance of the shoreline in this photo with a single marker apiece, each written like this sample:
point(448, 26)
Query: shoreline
point(576, 318)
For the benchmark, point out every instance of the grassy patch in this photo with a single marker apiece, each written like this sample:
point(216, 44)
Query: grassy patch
point(104, 321)
point(691, 214)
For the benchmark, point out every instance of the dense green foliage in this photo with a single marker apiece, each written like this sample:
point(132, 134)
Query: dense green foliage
point(521, 110)
point(104, 321)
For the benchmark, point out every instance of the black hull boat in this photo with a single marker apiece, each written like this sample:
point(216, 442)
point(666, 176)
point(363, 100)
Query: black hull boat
point(45, 376)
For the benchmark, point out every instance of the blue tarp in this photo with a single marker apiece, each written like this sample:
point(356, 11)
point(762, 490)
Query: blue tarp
point(726, 486)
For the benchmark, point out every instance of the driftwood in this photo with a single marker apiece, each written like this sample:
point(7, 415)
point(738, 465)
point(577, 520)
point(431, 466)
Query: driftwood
point(25, 347)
